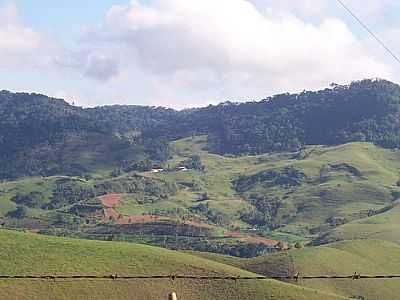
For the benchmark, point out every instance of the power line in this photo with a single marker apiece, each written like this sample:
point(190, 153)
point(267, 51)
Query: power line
point(296, 277)
point(369, 30)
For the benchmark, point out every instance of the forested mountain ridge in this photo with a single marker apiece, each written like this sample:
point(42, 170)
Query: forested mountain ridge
point(45, 136)
point(366, 110)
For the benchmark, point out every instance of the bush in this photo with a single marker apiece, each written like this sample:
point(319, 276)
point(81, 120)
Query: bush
point(19, 213)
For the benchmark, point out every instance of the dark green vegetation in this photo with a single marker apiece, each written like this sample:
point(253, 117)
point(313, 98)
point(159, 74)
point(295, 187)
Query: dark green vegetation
point(27, 254)
point(44, 136)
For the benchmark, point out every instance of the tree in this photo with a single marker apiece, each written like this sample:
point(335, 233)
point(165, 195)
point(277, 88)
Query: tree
point(298, 245)
point(203, 197)
point(281, 246)
point(19, 213)
point(194, 162)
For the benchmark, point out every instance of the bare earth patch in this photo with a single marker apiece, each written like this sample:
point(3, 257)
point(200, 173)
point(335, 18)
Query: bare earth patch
point(110, 201)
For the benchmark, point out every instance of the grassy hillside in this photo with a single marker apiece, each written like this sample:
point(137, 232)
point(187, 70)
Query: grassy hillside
point(365, 257)
point(384, 226)
point(293, 197)
point(368, 257)
point(32, 254)
point(315, 189)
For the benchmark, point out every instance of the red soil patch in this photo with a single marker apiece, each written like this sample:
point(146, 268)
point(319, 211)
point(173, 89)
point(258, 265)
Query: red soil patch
point(111, 200)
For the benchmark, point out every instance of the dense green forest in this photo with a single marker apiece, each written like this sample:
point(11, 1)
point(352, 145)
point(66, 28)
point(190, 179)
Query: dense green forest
point(45, 136)
point(362, 111)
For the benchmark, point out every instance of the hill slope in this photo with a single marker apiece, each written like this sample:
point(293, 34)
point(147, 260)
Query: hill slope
point(296, 196)
point(302, 193)
point(367, 257)
point(384, 226)
point(31, 254)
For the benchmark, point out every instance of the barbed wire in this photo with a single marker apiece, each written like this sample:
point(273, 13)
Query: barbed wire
point(296, 277)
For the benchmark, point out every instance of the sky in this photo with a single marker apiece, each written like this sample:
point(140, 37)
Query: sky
point(190, 53)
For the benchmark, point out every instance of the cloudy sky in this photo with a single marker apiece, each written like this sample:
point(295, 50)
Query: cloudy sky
point(184, 53)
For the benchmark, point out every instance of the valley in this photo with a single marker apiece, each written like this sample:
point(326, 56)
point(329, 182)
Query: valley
point(304, 184)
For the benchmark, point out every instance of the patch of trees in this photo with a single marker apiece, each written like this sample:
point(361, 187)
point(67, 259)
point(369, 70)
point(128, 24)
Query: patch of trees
point(212, 215)
point(153, 228)
point(194, 162)
point(70, 191)
point(264, 213)
point(238, 249)
point(33, 199)
point(286, 177)
point(19, 213)
point(148, 187)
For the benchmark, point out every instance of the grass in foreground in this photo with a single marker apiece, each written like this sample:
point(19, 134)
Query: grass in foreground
point(367, 257)
point(383, 226)
point(32, 254)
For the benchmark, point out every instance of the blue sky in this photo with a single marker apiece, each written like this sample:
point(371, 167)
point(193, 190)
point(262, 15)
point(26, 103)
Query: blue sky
point(184, 53)
point(64, 18)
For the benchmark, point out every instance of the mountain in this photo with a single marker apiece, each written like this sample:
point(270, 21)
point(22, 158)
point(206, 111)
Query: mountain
point(45, 136)
point(366, 110)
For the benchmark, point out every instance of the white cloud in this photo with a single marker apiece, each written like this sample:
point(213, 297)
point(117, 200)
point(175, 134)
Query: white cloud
point(90, 62)
point(230, 47)
point(20, 45)
point(374, 9)
point(184, 53)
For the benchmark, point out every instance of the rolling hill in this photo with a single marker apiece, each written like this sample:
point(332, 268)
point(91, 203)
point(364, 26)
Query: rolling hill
point(28, 254)
point(315, 190)
point(367, 257)
point(384, 226)
point(290, 196)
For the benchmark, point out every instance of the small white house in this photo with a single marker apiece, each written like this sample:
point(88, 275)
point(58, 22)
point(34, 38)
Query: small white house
point(182, 169)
